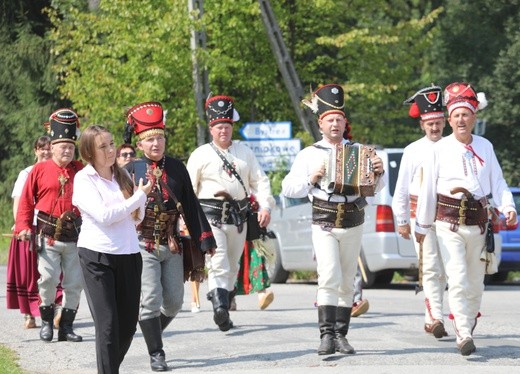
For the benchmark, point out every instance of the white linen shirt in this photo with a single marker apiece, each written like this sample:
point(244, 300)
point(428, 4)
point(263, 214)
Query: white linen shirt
point(208, 175)
point(108, 226)
point(296, 183)
point(451, 165)
point(410, 177)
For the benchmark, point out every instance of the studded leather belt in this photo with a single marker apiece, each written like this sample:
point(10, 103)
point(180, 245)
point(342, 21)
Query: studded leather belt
point(338, 215)
point(462, 211)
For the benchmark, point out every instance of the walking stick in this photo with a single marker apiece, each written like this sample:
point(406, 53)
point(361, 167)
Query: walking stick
point(362, 268)
point(419, 286)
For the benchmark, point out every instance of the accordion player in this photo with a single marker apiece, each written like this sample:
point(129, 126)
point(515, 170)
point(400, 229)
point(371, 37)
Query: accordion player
point(349, 170)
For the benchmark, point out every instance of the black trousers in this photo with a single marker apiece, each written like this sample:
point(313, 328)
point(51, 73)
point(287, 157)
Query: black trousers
point(113, 291)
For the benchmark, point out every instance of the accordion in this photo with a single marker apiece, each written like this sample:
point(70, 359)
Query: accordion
point(349, 170)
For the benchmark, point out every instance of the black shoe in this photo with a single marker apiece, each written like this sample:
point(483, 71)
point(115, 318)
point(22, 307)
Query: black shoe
point(343, 346)
point(158, 362)
point(327, 346)
point(47, 329)
point(66, 332)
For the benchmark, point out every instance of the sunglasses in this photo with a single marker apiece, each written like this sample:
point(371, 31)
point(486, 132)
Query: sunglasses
point(127, 154)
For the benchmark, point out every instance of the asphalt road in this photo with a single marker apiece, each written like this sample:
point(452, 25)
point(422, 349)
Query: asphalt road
point(284, 338)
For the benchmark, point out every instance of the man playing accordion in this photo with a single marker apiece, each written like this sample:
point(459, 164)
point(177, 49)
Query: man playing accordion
point(337, 214)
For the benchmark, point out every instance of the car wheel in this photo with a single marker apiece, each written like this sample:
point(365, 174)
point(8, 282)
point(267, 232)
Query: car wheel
point(275, 270)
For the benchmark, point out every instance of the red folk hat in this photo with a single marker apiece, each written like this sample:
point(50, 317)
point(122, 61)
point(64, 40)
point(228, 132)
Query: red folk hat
point(426, 103)
point(63, 126)
point(147, 119)
point(462, 95)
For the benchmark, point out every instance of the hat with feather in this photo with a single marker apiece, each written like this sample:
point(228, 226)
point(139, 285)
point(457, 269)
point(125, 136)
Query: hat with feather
point(329, 99)
point(221, 109)
point(462, 95)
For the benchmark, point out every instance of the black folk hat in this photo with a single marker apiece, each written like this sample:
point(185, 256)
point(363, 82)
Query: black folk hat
point(327, 99)
point(426, 103)
point(63, 126)
point(221, 109)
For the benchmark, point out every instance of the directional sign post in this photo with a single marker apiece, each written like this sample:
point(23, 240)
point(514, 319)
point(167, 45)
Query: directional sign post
point(273, 154)
point(271, 143)
point(266, 130)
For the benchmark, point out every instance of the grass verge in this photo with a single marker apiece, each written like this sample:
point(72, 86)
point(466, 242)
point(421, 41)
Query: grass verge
point(9, 361)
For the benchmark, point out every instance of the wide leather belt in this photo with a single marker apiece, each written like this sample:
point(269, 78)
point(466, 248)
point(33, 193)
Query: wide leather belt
point(221, 211)
point(338, 215)
point(462, 211)
point(413, 205)
point(63, 229)
point(157, 225)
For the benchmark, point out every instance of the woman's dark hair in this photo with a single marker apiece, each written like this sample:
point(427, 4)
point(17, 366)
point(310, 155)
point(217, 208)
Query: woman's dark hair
point(41, 142)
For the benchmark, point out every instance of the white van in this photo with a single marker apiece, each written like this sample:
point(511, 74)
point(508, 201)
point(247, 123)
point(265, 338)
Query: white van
point(383, 250)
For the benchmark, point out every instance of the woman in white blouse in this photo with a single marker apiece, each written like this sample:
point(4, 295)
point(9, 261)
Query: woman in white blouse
point(108, 246)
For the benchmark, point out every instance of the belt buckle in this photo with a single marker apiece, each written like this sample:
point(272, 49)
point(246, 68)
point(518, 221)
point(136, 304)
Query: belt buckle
point(225, 212)
point(340, 214)
point(462, 210)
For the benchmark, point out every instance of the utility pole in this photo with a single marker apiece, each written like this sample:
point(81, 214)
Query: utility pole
point(200, 74)
point(286, 67)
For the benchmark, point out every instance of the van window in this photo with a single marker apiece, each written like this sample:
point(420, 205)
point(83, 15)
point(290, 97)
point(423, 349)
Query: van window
point(394, 161)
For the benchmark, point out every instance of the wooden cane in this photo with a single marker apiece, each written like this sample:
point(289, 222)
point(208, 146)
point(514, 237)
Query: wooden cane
point(420, 275)
point(195, 292)
point(7, 235)
point(362, 268)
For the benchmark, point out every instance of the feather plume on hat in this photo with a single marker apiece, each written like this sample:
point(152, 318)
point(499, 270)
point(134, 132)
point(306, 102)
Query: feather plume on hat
point(482, 101)
point(312, 104)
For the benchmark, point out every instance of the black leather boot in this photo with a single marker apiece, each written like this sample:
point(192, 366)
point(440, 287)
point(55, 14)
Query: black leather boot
point(342, 324)
point(47, 314)
point(165, 321)
point(151, 329)
point(219, 297)
point(65, 332)
point(327, 320)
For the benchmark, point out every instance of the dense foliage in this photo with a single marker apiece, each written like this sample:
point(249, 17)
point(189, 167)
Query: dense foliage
point(101, 57)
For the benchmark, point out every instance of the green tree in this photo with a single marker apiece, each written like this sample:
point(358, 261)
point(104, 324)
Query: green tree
point(27, 93)
point(124, 53)
point(479, 43)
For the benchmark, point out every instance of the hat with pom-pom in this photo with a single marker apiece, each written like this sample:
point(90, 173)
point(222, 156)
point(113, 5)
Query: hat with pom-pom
point(63, 126)
point(426, 103)
point(462, 95)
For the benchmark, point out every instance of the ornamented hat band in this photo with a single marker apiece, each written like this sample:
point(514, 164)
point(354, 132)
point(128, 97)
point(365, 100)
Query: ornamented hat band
point(63, 126)
point(462, 95)
point(146, 119)
point(220, 109)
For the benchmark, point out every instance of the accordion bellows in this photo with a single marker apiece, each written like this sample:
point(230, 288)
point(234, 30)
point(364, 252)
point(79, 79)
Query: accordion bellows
point(349, 171)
